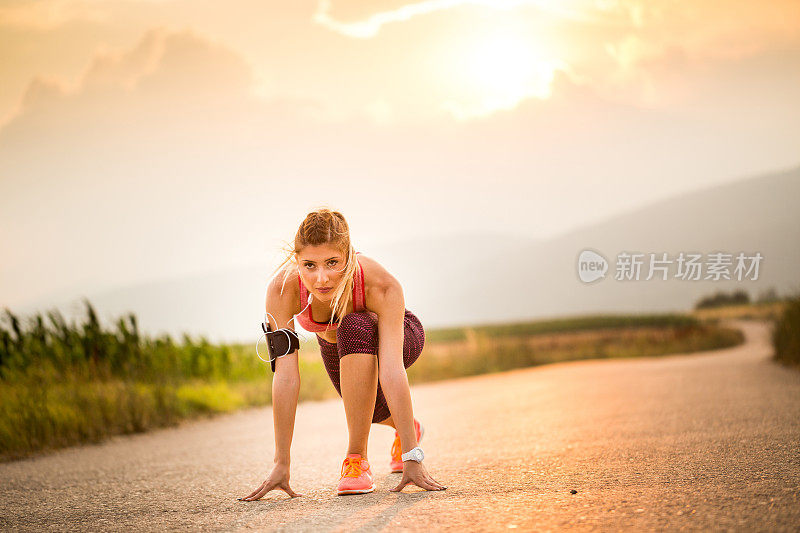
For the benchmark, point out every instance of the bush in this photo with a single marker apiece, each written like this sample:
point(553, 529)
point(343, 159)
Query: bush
point(786, 335)
point(720, 299)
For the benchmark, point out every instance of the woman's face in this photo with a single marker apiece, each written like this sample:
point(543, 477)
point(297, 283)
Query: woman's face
point(321, 267)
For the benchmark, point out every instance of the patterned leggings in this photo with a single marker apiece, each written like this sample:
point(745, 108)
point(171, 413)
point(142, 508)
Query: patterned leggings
point(358, 333)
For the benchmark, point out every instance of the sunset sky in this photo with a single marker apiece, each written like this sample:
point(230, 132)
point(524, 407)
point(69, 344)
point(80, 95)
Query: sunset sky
point(147, 139)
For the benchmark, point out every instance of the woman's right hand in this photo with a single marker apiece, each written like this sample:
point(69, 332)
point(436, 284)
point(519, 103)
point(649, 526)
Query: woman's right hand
point(278, 479)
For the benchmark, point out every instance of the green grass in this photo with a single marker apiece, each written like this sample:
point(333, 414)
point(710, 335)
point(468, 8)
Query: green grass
point(486, 354)
point(556, 325)
point(45, 410)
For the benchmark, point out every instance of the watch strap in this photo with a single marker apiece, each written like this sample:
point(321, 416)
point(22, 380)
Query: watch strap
point(411, 455)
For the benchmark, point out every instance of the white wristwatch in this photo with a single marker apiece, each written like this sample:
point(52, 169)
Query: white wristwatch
point(415, 454)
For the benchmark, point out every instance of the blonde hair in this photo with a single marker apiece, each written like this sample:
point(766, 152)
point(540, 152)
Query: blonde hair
point(324, 226)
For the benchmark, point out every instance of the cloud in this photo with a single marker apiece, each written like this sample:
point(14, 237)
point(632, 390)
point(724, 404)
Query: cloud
point(168, 80)
point(48, 14)
point(164, 64)
point(372, 24)
point(633, 33)
point(703, 29)
point(634, 50)
point(735, 27)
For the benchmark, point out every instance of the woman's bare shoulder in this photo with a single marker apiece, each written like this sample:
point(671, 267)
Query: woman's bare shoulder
point(283, 286)
point(376, 275)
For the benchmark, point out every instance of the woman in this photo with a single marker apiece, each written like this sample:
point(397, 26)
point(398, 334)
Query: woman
point(367, 339)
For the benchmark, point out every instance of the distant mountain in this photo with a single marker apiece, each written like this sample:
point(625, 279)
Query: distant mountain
point(486, 278)
point(751, 215)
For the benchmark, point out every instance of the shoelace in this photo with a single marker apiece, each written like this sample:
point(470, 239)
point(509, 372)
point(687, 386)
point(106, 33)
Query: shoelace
point(351, 467)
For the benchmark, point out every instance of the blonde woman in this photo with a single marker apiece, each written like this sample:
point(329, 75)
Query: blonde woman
point(367, 339)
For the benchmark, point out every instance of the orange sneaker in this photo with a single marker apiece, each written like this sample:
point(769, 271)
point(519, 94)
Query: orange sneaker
point(356, 476)
point(396, 464)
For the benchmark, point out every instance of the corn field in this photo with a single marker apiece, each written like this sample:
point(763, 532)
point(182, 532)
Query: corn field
point(63, 383)
point(49, 344)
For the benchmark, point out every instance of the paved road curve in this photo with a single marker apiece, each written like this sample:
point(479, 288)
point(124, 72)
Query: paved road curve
point(677, 442)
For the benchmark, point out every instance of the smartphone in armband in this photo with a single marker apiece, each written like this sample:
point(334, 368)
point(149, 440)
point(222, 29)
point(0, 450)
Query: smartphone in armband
point(279, 343)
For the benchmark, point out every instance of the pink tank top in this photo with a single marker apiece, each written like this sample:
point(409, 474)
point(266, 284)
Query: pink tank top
point(306, 319)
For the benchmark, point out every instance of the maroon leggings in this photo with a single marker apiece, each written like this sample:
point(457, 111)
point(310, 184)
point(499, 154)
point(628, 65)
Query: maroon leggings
point(358, 333)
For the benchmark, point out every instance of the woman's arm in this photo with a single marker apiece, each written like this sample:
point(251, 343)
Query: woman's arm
point(286, 380)
point(285, 393)
point(389, 305)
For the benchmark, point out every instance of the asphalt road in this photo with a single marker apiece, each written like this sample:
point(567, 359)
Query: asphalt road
point(703, 441)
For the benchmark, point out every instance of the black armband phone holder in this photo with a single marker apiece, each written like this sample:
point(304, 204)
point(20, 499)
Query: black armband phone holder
point(279, 343)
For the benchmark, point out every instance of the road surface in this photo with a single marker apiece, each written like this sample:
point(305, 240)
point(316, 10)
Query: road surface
point(694, 441)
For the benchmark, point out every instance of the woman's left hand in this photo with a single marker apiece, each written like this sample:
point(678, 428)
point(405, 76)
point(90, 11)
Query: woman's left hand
point(414, 472)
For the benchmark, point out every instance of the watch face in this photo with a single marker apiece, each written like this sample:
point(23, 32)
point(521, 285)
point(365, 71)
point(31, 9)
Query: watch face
point(418, 455)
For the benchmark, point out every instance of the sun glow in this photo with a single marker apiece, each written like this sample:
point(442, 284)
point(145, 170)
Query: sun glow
point(498, 73)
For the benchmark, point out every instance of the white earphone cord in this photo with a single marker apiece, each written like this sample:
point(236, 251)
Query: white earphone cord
point(284, 330)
